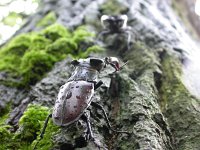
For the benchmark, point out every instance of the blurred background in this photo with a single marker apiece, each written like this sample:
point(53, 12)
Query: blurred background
point(13, 14)
point(189, 10)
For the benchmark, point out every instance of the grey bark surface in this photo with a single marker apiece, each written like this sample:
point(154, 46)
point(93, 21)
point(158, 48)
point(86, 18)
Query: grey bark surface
point(143, 98)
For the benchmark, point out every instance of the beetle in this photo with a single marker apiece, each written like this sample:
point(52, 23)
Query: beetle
point(116, 24)
point(75, 96)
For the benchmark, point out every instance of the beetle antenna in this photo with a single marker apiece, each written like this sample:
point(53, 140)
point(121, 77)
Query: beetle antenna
point(43, 130)
point(120, 68)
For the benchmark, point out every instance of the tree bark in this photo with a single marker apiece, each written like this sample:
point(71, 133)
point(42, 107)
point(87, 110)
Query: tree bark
point(148, 98)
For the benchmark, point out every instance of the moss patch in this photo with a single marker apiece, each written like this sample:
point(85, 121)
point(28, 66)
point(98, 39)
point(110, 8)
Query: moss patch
point(5, 136)
point(172, 74)
point(29, 56)
point(30, 60)
point(180, 107)
point(137, 97)
point(30, 125)
point(55, 32)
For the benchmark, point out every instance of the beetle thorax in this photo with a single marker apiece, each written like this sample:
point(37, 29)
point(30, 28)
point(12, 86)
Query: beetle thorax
point(85, 73)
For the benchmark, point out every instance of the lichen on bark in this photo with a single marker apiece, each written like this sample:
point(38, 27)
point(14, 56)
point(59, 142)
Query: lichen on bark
point(179, 105)
point(141, 111)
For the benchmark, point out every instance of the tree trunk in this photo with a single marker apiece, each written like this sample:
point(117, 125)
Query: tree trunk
point(150, 97)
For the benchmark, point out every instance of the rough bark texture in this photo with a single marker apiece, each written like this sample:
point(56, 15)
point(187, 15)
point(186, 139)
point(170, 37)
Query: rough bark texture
point(148, 97)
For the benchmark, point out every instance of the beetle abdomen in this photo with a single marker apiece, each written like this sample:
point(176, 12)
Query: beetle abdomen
point(73, 98)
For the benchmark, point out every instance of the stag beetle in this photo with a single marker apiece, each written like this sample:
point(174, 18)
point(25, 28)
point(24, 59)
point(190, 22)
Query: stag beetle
point(116, 24)
point(75, 96)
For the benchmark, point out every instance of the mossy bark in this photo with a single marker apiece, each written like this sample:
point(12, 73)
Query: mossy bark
point(181, 107)
point(147, 97)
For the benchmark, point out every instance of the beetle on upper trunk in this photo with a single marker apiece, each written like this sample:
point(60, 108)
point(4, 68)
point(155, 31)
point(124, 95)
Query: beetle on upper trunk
point(75, 96)
point(116, 24)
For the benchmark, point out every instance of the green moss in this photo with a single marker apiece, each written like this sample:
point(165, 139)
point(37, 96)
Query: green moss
point(172, 75)
point(56, 31)
point(30, 125)
point(9, 63)
point(49, 19)
point(29, 56)
point(38, 42)
point(61, 47)
point(10, 55)
point(82, 35)
point(84, 54)
point(47, 143)
point(4, 113)
point(139, 65)
point(113, 7)
point(179, 105)
point(34, 65)
point(30, 122)
point(17, 45)
point(6, 137)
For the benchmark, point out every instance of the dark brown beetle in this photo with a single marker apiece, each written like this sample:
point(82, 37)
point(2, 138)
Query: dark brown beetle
point(116, 25)
point(75, 96)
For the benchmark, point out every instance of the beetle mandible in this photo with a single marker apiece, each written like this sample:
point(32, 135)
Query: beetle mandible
point(75, 96)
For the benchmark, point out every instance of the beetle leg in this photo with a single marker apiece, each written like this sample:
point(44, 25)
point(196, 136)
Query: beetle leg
point(90, 135)
point(45, 125)
point(106, 117)
point(98, 84)
point(43, 130)
point(86, 117)
point(129, 35)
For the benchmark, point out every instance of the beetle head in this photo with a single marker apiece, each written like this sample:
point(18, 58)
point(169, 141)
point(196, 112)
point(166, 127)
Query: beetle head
point(97, 64)
point(110, 22)
point(94, 63)
point(113, 61)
